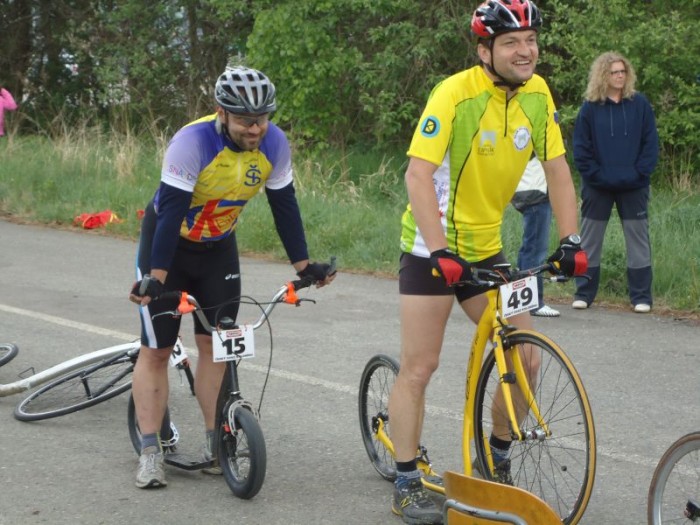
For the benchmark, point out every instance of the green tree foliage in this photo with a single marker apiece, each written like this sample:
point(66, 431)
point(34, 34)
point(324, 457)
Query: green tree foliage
point(114, 61)
point(351, 72)
point(358, 71)
point(661, 42)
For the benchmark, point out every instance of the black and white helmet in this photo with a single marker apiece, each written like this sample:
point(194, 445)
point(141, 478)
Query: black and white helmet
point(244, 90)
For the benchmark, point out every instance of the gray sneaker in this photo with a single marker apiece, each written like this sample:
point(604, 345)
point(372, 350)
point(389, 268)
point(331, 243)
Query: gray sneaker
point(412, 503)
point(208, 456)
point(151, 473)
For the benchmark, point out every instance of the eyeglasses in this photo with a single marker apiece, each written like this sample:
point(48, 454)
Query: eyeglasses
point(249, 122)
point(618, 72)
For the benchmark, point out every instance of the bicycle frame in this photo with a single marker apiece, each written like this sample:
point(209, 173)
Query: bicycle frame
point(490, 329)
point(520, 389)
point(236, 419)
point(230, 387)
point(65, 367)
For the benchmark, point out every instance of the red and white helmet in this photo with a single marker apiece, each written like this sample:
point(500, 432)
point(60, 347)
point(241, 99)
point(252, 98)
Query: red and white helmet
point(495, 17)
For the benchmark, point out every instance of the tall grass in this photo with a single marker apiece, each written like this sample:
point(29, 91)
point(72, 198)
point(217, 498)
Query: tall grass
point(351, 205)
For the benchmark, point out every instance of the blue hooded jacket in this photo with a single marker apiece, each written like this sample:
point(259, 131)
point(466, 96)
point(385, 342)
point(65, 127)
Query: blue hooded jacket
point(616, 145)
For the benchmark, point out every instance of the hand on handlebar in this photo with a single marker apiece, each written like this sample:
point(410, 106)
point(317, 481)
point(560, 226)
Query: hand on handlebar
point(450, 266)
point(569, 259)
point(147, 289)
point(321, 273)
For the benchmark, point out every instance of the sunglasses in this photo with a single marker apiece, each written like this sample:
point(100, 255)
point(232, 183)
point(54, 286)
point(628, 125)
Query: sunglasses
point(249, 122)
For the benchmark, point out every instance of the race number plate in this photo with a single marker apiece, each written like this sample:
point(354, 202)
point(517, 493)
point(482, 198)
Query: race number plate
point(178, 355)
point(232, 344)
point(519, 296)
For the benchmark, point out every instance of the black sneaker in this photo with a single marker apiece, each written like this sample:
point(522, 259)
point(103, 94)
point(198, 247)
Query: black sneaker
point(412, 503)
point(501, 472)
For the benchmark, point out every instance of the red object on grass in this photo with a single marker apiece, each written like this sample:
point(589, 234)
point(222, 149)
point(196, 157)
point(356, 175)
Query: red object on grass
point(96, 220)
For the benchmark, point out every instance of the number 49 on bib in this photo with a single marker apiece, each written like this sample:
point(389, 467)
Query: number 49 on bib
point(519, 296)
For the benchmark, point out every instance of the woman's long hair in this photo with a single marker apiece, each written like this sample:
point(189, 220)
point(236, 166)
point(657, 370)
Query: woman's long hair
point(599, 75)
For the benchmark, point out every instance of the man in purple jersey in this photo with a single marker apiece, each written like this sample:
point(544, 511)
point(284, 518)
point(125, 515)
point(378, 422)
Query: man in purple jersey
point(211, 169)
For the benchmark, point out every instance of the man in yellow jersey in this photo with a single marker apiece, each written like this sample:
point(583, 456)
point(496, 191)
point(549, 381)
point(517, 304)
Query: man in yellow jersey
point(211, 169)
point(470, 148)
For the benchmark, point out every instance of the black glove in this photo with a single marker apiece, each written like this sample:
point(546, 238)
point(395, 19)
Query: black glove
point(316, 271)
point(450, 266)
point(569, 259)
point(148, 286)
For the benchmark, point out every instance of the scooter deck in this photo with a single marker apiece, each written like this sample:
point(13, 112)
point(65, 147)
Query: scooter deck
point(187, 461)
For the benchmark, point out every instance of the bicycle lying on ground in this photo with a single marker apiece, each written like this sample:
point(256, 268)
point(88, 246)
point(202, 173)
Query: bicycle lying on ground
point(8, 351)
point(82, 382)
point(547, 416)
point(674, 492)
point(239, 445)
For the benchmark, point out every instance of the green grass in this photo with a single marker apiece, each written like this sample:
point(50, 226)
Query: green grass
point(351, 204)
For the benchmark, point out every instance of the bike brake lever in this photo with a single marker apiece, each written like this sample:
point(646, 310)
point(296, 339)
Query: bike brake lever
point(173, 313)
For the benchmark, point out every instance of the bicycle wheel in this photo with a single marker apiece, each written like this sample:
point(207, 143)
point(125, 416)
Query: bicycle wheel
point(169, 436)
point(242, 453)
point(79, 389)
point(8, 351)
point(558, 468)
point(375, 386)
point(674, 493)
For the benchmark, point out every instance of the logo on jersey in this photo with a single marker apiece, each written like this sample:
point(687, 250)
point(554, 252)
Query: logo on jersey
point(253, 175)
point(180, 173)
point(487, 143)
point(212, 221)
point(430, 127)
point(521, 138)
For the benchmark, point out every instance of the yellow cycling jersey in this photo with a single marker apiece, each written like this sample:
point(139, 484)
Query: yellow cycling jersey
point(221, 177)
point(481, 143)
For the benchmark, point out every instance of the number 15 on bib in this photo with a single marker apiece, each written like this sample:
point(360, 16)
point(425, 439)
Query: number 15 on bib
point(234, 343)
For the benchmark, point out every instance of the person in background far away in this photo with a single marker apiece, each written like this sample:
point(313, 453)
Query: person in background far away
point(531, 199)
point(7, 103)
point(616, 148)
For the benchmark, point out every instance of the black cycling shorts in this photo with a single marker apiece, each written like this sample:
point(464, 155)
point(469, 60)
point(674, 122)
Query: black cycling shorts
point(208, 271)
point(416, 278)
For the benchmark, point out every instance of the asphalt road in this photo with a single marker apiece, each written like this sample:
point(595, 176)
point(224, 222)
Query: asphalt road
point(63, 293)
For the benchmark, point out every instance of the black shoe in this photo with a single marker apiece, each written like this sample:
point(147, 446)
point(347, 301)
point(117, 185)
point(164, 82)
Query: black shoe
point(412, 503)
point(501, 472)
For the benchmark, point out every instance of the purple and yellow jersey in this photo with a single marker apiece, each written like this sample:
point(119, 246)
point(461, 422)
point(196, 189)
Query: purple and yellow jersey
point(481, 143)
point(221, 178)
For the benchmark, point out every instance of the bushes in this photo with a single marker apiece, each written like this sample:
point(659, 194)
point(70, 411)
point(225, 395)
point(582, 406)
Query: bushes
point(355, 72)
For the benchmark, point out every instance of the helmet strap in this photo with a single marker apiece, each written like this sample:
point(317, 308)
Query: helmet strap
point(501, 82)
point(222, 127)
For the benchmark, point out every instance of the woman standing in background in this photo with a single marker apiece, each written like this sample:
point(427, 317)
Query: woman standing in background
point(616, 148)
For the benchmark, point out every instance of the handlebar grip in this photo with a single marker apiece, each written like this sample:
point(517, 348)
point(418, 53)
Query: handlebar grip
point(184, 306)
point(170, 295)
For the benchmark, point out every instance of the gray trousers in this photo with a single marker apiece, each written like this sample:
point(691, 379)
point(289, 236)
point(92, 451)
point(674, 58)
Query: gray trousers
point(632, 208)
